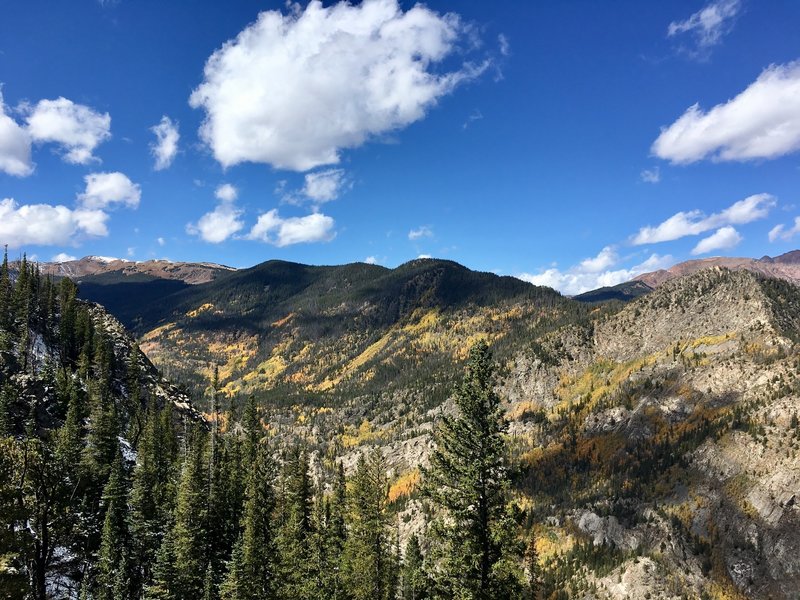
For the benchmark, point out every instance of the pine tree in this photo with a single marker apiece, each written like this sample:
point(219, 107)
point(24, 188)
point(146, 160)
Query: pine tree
point(162, 586)
point(415, 580)
point(367, 559)
point(5, 303)
point(252, 572)
point(532, 570)
point(294, 531)
point(253, 431)
point(150, 496)
point(473, 538)
point(189, 533)
point(114, 563)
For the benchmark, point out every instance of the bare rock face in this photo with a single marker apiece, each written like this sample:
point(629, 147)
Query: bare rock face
point(708, 304)
point(714, 353)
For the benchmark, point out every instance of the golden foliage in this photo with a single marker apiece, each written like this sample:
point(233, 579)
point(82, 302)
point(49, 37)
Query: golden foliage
point(404, 485)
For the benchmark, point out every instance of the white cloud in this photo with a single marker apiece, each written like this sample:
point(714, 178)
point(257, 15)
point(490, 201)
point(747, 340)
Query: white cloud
point(584, 276)
point(15, 146)
point(724, 238)
point(161, 241)
point(780, 232)
point(106, 189)
point(62, 257)
point(606, 258)
point(165, 147)
point(47, 225)
point(761, 122)
point(294, 90)
point(651, 175)
point(707, 26)
point(226, 192)
point(424, 256)
point(324, 186)
point(695, 222)
point(421, 232)
point(371, 260)
point(505, 47)
point(273, 229)
point(219, 224)
point(77, 128)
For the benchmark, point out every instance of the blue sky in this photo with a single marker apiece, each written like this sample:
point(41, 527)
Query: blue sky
point(574, 144)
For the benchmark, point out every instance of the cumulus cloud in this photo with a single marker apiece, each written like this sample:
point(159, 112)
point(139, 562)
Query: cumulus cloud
point(221, 223)
point(15, 146)
point(226, 192)
point(324, 186)
point(724, 238)
point(651, 175)
point(695, 222)
point(762, 122)
point(294, 90)
point(420, 232)
point(47, 225)
point(371, 260)
point(586, 275)
point(77, 128)
point(165, 147)
point(606, 258)
point(62, 257)
point(273, 229)
point(707, 26)
point(781, 232)
point(161, 241)
point(103, 190)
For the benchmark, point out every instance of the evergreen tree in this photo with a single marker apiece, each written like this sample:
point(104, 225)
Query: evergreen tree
point(114, 563)
point(532, 570)
point(367, 559)
point(294, 530)
point(150, 496)
point(253, 431)
point(415, 580)
point(189, 533)
point(473, 540)
point(163, 586)
point(252, 571)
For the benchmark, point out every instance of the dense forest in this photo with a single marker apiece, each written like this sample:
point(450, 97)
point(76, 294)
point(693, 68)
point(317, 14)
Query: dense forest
point(108, 491)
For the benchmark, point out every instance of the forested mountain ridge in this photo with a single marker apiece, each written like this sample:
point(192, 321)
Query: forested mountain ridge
point(290, 333)
point(627, 422)
point(651, 447)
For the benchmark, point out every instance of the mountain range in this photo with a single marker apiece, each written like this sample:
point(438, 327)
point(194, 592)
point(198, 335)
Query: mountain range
point(654, 441)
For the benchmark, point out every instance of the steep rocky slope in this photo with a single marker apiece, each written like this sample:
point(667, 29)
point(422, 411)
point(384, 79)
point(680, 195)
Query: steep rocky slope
point(659, 447)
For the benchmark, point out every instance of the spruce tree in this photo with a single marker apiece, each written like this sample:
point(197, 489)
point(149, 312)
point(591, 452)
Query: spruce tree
point(473, 540)
point(163, 584)
point(252, 571)
point(114, 563)
point(367, 559)
point(415, 580)
point(295, 528)
point(189, 532)
point(150, 497)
